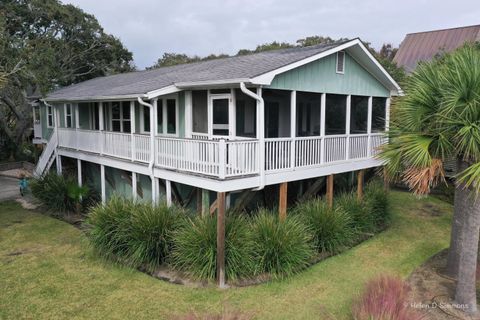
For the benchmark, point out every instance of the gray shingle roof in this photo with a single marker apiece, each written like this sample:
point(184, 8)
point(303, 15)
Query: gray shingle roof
point(141, 82)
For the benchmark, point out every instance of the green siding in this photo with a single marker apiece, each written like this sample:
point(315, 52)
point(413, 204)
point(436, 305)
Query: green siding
point(181, 114)
point(46, 131)
point(321, 76)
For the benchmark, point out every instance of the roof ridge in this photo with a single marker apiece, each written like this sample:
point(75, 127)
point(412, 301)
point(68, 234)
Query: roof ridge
point(445, 29)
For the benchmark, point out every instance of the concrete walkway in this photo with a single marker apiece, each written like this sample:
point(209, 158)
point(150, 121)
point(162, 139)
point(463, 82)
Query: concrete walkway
point(9, 188)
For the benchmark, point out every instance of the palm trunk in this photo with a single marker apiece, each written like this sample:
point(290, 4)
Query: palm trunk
point(456, 235)
point(467, 250)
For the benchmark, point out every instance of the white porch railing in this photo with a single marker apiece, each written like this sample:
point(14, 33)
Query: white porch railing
point(225, 159)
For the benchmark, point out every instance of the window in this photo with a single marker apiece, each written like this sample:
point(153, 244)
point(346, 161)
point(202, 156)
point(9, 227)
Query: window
point(359, 115)
point(50, 123)
point(167, 116)
point(199, 111)
point(341, 62)
point(308, 114)
point(335, 114)
point(146, 119)
point(378, 114)
point(171, 116)
point(68, 115)
point(120, 116)
point(94, 121)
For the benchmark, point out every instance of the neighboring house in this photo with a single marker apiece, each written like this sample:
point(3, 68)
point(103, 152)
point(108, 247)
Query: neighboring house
point(423, 46)
point(222, 125)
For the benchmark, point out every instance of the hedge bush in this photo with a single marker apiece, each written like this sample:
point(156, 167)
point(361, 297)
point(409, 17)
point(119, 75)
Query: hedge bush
point(332, 228)
point(362, 220)
point(281, 248)
point(135, 234)
point(195, 247)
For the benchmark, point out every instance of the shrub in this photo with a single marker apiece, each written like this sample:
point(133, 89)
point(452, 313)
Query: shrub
point(376, 203)
point(280, 247)
point(136, 234)
point(384, 298)
point(362, 220)
point(58, 193)
point(331, 227)
point(195, 247)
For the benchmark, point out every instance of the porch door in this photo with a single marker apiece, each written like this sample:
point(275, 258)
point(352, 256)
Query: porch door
point(220, 109)
point(37, 123)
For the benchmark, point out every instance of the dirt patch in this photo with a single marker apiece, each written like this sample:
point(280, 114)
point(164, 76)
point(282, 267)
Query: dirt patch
point(432, 291)
point(430, 210)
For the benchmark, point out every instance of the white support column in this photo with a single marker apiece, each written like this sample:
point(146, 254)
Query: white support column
point(369, 126)
point(101, 126)
point(77, 115)
point(387, 115)
point(168, 191)
point(154, 190)
point(209, 116)
point(59, 164)
point(155, 115)
point(134, 186)
point(132, 128)
point(164, 116)
point(188, 114)
point(79, 172)
point(102, 183)
point(323, 102)
point(222, 149)
point(232, 115)
point(347, 126)
point(293, 122)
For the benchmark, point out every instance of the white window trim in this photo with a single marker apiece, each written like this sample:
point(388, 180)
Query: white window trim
point(48, 117)
point(343, 63)
point(162, 107)
point(66, 115)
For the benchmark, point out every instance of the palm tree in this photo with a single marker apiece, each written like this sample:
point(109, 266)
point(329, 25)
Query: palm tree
point(439, 119)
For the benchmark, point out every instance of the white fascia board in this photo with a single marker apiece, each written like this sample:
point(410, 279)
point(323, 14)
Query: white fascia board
point(208, 83)
point(99, 98)
point(161, 92)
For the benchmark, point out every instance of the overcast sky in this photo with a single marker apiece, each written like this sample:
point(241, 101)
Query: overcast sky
point(149, 28)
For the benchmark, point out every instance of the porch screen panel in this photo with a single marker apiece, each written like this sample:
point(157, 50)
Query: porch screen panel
point(359, 115)
point(277, 113)
point(308, 114)
point(116, 117)
point(171, 116)
point(246, 115)
point(126, 117)
point(335, 114)
point(378, 114)
point(199, 111)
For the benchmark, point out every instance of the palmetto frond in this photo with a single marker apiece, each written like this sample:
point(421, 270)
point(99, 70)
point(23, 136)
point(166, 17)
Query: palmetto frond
point(438, 119)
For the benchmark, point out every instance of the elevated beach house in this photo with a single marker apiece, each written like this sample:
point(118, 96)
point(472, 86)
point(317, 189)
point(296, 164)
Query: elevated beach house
point(221, 126)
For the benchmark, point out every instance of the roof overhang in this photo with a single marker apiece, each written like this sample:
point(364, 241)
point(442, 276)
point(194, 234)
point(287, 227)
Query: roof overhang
point(97, 98)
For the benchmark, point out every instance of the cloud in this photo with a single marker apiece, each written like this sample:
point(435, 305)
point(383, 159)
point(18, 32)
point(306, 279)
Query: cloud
point(150, 27)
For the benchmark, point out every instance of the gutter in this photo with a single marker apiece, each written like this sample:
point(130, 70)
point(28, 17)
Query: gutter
point(260, 133)
point(152, 134)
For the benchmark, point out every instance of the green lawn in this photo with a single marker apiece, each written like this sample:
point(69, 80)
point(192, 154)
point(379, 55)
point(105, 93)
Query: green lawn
point(47, 272)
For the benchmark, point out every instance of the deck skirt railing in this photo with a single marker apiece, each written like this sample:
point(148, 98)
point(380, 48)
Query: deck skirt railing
point(225, 158)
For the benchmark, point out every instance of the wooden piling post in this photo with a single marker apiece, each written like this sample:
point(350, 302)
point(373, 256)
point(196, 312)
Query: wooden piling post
point(221, 239)
point(360, 178)
point(282, 206)
point(330, 190)
point(386, 183)
point(205, 202)
point(199, 201)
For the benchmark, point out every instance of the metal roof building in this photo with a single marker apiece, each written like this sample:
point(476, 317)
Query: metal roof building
point(423, 46)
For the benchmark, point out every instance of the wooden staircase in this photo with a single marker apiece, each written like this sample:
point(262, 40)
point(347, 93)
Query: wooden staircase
point(48, 156)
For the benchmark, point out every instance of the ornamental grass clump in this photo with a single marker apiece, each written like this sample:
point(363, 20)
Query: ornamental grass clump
point(376, 203)
point(134, 234)
point(384, 298)
point(281, 248)
point(362, 220)
point(332, 228)
point(195, 247)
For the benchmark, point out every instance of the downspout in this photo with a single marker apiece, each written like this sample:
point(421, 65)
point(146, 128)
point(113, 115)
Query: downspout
point(260, 133)
point(152, 135)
